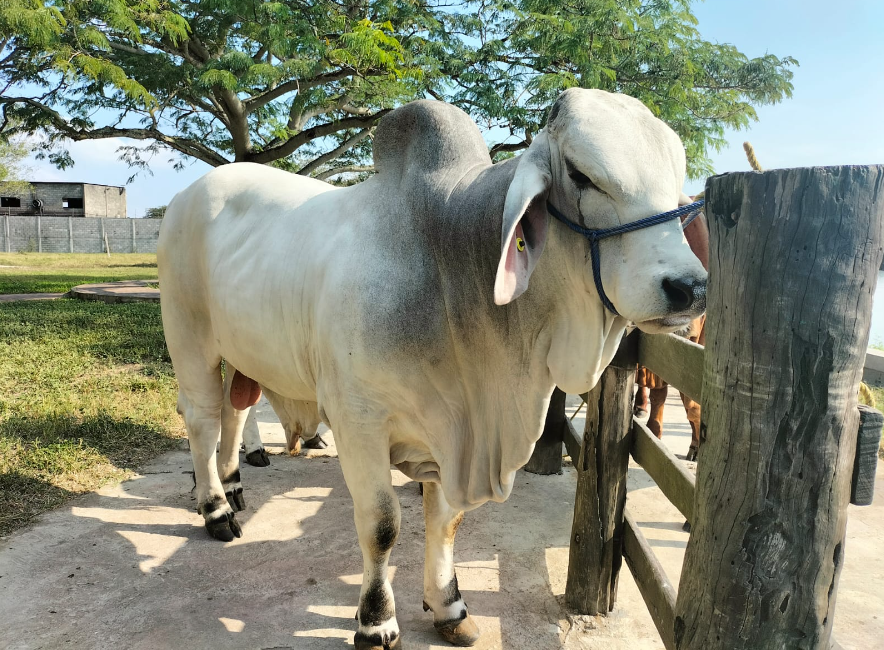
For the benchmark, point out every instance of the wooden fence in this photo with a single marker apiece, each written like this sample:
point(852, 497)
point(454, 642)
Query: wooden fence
point(795, 256)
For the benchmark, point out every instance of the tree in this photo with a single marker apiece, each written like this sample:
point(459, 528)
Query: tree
point(650, 49)
point(300, 85)
point(12, 168)
point(155, 213)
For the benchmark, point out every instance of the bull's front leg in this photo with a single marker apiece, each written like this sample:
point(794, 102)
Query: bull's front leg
point(232, 422)
point(450, 616)
point(376, 512)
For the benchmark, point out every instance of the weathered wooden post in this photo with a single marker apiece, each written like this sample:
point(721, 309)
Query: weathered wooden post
point(597, 531)
point(547, 456)
point(795, 258)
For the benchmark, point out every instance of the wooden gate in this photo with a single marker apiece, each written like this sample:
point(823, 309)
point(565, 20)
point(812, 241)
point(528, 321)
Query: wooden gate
point(794, 262)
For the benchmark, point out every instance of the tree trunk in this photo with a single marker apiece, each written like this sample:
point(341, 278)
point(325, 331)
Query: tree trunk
point(795, 258)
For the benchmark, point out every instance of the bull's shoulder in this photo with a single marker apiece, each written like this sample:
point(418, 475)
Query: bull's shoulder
point(425, 136)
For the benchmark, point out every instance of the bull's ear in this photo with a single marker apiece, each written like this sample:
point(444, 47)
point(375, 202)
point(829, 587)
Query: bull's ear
point(525, 222)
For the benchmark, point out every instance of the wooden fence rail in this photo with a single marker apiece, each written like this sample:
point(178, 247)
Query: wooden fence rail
point(790, 299)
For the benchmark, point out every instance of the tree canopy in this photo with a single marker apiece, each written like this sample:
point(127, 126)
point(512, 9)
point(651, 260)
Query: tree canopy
point(12, 166)
point(300, 84)
point(155, 213)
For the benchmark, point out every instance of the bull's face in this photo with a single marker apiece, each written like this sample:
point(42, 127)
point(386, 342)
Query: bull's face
point(603, 161)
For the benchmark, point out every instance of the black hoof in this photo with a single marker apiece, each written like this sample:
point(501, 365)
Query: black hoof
point(692, 454)
point(224, 528)
point(686, 527)
point(236, 499)
point(316, 442)
point(377, 642)
point(258, 458)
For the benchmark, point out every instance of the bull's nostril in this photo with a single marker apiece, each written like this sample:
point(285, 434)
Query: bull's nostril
point(679, 292)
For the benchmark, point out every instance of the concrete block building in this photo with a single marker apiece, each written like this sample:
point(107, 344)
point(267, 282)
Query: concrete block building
point(65, 200)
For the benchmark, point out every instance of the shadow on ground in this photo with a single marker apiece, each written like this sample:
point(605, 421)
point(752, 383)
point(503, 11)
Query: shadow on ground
point(51, 459)
point(135, 562)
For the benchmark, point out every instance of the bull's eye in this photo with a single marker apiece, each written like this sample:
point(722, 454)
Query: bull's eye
point(581, 180)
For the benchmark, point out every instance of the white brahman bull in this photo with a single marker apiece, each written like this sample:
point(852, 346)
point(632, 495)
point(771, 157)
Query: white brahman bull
point(389, 311)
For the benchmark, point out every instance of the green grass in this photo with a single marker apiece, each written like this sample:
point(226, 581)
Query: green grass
point(58, 272)
point(87, 394)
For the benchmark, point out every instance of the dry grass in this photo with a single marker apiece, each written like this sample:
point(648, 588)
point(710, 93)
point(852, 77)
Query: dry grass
point(87, 395)
point(878, 393)
point(58, 272)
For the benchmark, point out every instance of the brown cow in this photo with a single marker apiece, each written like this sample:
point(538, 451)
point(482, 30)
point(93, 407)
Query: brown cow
point(697, 234)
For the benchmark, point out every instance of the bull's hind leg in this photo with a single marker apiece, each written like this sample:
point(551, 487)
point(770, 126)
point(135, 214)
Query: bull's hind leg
point(202, 418)
point(693, 411)
point(365, 461)
point(233, 421)
point(255, 453)
point(655, 418)
point(201, 395)
point(450, 616)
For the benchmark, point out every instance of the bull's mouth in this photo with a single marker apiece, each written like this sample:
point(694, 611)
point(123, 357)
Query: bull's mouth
point(670, 323)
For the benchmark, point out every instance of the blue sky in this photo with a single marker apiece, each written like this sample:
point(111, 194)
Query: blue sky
point(833, 118)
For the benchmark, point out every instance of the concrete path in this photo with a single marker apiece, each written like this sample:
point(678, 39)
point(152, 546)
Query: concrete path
point(123, 291)
point(16, 297)
point(132, 567)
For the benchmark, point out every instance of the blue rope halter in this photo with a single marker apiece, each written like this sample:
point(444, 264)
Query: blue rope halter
point(594, 235)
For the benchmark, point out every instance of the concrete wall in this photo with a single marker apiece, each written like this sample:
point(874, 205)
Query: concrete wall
point(104, 201)
point(77, 235)
point(873, 372)
point(98, 200)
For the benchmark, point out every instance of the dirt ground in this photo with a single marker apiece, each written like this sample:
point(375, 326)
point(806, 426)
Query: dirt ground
point(131, 566)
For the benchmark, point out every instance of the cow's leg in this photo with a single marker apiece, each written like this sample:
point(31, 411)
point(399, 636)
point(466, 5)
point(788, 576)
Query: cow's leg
point(365, 460)
point(316, 442)
point(655, 419)
point(641, 401)
point(694, 412)
point(202, 418)
point(233, 421)
point(255, 453)
point(450, 616)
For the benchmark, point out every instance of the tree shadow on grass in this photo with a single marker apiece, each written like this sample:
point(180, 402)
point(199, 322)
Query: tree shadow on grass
point(81, 454)
point(26, 497)
point(56, 439)
point(143, 265)
point(117, 333)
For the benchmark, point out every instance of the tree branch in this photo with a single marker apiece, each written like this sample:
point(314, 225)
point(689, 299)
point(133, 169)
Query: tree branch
point(183, 145)
point(121, 47)
point(511, 147)
point(320, 130)
point(346, 145)
point(343, 170)
point(254, 103)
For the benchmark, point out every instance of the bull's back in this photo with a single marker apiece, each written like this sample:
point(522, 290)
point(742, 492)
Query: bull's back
point(233, 255)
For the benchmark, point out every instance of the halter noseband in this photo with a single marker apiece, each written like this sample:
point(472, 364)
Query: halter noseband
point(594, 235)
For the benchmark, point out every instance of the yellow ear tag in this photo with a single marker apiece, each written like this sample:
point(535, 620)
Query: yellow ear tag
point(520, 244)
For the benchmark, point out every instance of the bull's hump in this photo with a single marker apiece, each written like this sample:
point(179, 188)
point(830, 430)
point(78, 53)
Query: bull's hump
point(427, 136)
